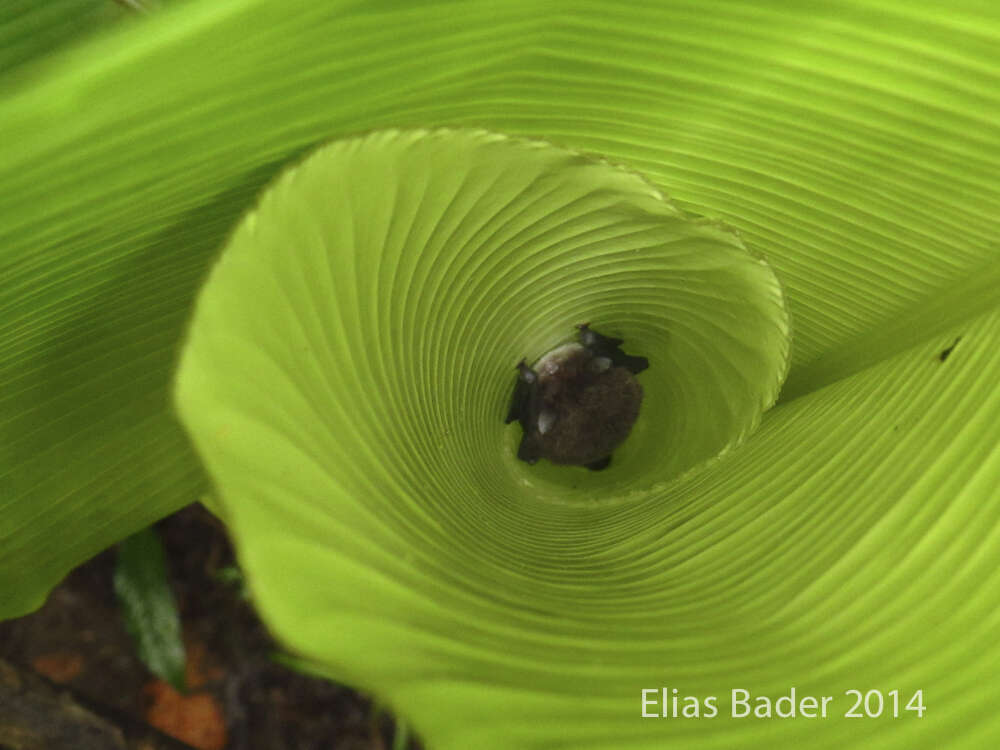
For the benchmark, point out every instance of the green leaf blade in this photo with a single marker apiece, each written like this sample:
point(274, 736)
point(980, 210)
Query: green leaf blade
point(855, 146)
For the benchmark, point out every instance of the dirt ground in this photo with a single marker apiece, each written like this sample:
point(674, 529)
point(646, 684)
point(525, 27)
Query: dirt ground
point(239, 697)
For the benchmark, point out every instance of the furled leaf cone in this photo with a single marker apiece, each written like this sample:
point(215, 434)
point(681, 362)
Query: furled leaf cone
point(345, 379)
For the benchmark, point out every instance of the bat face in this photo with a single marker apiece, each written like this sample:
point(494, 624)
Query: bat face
point(578, 403)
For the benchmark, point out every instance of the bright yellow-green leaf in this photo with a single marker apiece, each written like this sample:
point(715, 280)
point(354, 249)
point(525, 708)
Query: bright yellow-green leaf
point(850, 543)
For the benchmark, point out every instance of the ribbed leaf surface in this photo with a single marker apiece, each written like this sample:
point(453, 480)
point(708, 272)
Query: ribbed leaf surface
point(850, 542)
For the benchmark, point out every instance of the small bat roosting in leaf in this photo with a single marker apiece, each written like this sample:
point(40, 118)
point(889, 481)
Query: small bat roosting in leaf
point(579, 402)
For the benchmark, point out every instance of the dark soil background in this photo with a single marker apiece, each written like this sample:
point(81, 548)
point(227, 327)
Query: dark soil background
point(239, 698)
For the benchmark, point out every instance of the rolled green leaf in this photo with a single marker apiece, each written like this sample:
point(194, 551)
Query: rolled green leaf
point(344, 380)
point(850, 158)
point(851, 542)
point(406, 273)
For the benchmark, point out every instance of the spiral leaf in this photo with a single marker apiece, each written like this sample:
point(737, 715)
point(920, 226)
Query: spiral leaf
point(345, 379)
point(850, 542)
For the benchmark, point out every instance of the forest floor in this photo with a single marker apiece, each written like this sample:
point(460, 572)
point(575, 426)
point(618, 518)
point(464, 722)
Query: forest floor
point(239, 697)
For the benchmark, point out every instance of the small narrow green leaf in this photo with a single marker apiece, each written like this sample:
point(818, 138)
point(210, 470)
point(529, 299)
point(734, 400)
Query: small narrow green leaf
point(401, 737)
point(149, 607)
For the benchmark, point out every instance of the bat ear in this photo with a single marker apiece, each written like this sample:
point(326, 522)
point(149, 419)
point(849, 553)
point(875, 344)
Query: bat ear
point(635, 365)
point(525, 374)
point(524, 388)
point(517, 402)
point(596, 342)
